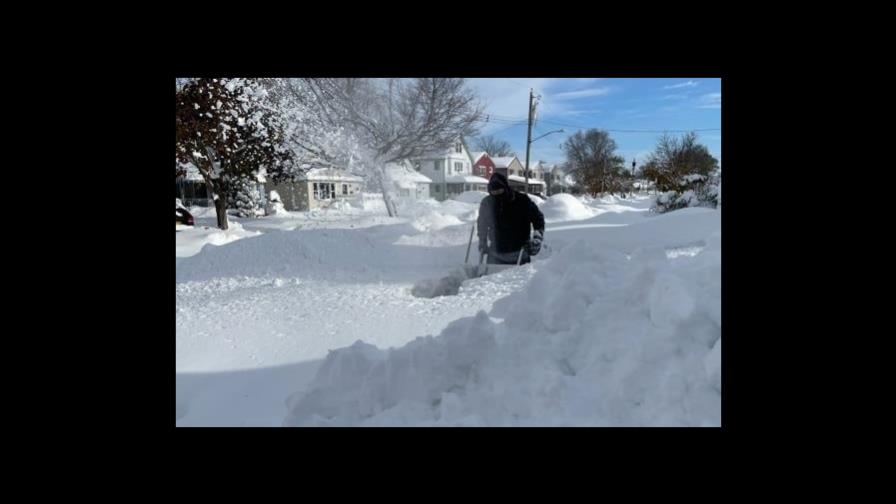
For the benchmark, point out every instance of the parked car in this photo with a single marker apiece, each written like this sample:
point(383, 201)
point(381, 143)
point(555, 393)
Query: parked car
point(183, 216)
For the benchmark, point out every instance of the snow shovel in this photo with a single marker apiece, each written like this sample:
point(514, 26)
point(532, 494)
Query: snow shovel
point(484, 268)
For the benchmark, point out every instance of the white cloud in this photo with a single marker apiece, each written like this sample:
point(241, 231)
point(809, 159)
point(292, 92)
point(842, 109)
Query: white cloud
point(583, 93)
point(711, 100)
point(507, 98)
point(689, 83)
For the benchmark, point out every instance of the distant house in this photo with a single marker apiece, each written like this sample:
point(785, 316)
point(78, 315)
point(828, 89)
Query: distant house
point(317, 188)
point(409, 182)
point(192, 190)
point(461, 183)
point(190, 187)
point(515, 172)
point(483, 166)
point(557, 180)
point(450, 170)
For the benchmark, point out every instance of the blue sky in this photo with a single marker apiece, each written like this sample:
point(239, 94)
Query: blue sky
point(612, 103)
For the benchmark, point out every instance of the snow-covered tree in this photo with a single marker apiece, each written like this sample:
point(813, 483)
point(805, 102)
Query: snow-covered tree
point(390, 120)
point(695, 191)
point(315, 132)
point(684, 172)
point(229, 128)
point(247, 200)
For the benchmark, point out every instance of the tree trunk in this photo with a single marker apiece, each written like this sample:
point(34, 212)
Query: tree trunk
point(387, 199)
point(221, 210)
point(217, 192)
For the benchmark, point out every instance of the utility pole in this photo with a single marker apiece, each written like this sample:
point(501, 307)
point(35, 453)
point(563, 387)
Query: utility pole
point(529, 138)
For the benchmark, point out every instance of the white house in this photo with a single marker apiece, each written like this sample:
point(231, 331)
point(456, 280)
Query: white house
point(515, 172)
point(317, 188)
point(451, 172)
point(557, 179)
point(409, 182)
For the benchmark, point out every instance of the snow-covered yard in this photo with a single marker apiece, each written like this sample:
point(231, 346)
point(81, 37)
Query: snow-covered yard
point(308, 319)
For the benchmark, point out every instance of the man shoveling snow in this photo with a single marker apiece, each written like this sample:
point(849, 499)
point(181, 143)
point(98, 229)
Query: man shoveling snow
point(505, 217)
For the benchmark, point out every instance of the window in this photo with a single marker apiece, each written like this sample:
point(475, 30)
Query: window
point(344, 189)
point(323, 191)
point(437, 165)
point(458, 147)
point(438, 188)
point(458, 166)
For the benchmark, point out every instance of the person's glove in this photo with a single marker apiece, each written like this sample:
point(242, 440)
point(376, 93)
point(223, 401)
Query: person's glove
point(533, 246)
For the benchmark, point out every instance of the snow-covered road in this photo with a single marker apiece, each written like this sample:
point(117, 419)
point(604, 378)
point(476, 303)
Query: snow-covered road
point(259, 309)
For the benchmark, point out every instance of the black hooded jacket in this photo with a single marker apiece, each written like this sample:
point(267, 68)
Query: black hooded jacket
point(505, 219)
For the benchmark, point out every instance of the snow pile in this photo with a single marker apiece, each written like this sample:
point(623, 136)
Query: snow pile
point(274, 205)
point(192, 240)
point(565, 207)
point(445, 237)
point(340, 205)
point(434, 221)
point(703, 196)
point(327, 253)
point(602, 336)
point(470, 197)
point(372, 202)
point(694, 191)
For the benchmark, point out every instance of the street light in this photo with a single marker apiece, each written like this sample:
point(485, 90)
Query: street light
point(527, 154)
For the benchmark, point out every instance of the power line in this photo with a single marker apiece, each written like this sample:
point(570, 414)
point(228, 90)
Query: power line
point(579, 126)
point(505, 120)
point(505, 129)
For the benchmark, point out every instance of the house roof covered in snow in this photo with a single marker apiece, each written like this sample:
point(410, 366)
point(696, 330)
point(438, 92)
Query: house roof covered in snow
point(503, 162)
point(192, 173)
point(466, 179)
point(405, 177)
point(476, 155)
point(447, 151)
point(327, 174)
point(517, 178)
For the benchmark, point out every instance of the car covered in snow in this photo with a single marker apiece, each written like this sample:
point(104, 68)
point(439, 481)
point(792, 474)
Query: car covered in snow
point(182, 215)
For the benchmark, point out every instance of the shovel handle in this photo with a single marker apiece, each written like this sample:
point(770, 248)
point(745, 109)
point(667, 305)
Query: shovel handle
point(467, 259)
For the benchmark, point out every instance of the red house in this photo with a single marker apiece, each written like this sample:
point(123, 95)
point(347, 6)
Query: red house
point(483, 166)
